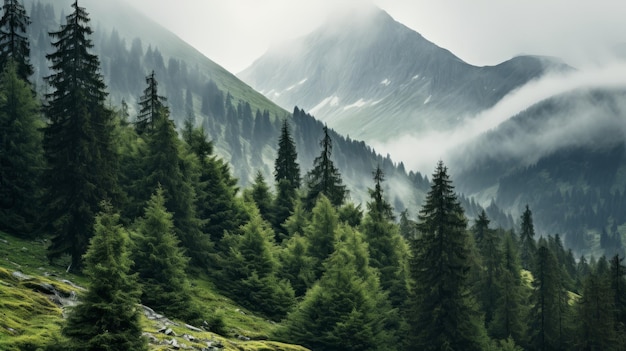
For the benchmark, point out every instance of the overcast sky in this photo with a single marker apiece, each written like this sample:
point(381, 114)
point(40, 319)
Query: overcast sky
point(234, 33)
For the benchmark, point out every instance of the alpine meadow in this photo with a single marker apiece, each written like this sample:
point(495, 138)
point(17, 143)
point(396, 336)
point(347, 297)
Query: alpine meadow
point(152, 200)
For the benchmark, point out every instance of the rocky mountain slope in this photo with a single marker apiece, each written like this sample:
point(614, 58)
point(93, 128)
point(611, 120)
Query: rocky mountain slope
point(373, 78)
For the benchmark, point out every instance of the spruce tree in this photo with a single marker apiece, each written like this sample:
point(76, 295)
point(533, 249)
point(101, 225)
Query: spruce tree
point(216, 191)
point(490, 251)
point(387, 249)
point(260, 194)
point(527, 240)
point(286, 166)
point(287, 180)
point(168, 164)
point(325, 178)
point(78, 140)
point(250, 270)
point(150, 105)
point(346, 309)
point(14, 43)
point(297, 265)
point(321, 232)
point(546, 322)
point(108, 317)
point(617, 280)
point(510, 313)
point(444, 317)
point(161, 263)
point(595, 314)
point(21, 153)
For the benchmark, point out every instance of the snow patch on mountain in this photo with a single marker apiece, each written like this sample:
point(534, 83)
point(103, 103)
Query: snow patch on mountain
point(359, 103)
point(297, 84)
point(332, 101)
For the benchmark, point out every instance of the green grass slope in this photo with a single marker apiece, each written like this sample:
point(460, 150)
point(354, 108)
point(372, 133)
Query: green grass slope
point(31, 318)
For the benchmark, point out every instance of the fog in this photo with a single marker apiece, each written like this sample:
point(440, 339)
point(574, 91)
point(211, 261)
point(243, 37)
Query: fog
point(421, 151)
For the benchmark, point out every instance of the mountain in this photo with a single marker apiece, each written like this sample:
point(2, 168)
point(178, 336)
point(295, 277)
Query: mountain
point(371, 77)
point(564, 157)
point(242, 123)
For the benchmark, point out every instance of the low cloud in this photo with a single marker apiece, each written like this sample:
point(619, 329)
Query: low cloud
point(421, 151)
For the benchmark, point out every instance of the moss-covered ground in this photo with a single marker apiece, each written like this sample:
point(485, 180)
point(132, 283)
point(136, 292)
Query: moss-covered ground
point(30, 319)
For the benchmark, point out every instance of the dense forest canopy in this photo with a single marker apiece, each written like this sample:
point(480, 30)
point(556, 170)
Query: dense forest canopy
point(140, 206)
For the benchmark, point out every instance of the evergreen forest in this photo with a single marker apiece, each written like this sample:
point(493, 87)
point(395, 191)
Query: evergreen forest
point(140, 209)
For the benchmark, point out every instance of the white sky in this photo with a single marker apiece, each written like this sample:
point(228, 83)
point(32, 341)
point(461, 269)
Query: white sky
point(234, 33)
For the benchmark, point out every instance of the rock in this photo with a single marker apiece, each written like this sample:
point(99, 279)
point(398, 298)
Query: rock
point(21, 276)
point(4, 241)
point(174, 344)
point(191, 327)
point(24, 249)
point(151, 338)
point(188, 337)
point(72, 284)
point(169, 331)
point(242, 337)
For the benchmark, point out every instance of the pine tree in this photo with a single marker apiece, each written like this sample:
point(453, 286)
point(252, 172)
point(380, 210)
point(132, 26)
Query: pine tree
point(14, 43)
point(287, 180)
point(444, 316)
point(386, 247)
point(509, 315)
point(250, 270)
point(595, 314)
point(546, 322)
point(21, 154)
point(617, 280)
point(298, 266)
point(321, 233)
point(108, 316)
point(286, 166)
point(527, 240)
point(488, 243)
point(167, 164)
point(346, 309)
point(216, 190)
point(260, 194)
point(161, 263)
point(325, 178)
point(150, 105)
point(78, 140)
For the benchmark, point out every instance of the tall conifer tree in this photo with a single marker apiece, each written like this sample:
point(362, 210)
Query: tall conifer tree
point(78, 141)
point(21, 154)
point(150, 105)
point(325, 178)
point(527, 240)
point(161, 263)
point(444, 316)
point(14, 42)
point(286, 166)
point(108, 316)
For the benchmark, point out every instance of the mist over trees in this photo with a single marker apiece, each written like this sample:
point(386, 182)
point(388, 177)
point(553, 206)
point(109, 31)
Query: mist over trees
point(139, 207)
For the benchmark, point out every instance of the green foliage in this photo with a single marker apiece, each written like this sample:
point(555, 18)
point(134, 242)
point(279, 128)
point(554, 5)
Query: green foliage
point(150, 106)
point(78, 141)
point(167, 164)
point(161, 263)
point(488, 242)
point(250, 270)
point(216, 189)
point(260, 194)
point(443, 315)
point(320, 233)
point(595, 312)
point(286, 166)
point(324, 178)
point(108, 317)
point(21, 154)
point(509, 314)
point(297, 265)
point(14, 43)
point(346, 309)
point(548, 316)
point(527, 239)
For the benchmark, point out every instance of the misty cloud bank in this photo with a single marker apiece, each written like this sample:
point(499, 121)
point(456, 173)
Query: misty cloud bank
point(581, 125)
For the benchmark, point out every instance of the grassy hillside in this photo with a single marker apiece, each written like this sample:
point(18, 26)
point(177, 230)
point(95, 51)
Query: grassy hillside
point(31, 317)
